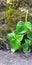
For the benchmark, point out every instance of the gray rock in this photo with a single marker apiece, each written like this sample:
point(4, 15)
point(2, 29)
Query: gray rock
point(17, 58)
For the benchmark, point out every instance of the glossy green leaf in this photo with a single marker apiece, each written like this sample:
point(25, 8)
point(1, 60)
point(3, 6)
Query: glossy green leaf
point(20, 28)
point(25, 48)
point(15, 40)
point(28, 42)
point(29, 35)
point(31, 27)
point(28, 25)
point(19, 37)
point(26, 45)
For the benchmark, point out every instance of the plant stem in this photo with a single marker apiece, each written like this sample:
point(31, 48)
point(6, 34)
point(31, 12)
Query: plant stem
point(26, 16)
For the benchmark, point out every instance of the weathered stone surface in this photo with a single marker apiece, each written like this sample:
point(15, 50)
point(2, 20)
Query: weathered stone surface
point(17, 58)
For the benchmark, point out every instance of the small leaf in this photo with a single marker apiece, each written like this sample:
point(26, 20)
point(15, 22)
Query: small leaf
point(19, 37)
point(28, 42)
point(29, 35)
point(26, 45)
point(20, 28)
point(10, 36)
point(15, 40)
point(28, 25)
point(31, 27)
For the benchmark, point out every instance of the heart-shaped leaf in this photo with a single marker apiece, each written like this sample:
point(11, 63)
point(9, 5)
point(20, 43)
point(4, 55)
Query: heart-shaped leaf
point(20, 28)
point(26, 45)
point(29, 35)
point(15, 40)
point(28, 25)
point(28, 42)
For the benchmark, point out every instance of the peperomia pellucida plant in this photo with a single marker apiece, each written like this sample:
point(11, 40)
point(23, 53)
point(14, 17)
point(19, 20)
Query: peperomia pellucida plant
point(18, 35)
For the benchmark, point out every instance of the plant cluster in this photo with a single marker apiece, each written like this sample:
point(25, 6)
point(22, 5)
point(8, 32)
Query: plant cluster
point(16, 38)
point(21, 37)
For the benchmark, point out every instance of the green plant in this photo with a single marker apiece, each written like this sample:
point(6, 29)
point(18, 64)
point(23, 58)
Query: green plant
point(22, 29)
point(15, 40)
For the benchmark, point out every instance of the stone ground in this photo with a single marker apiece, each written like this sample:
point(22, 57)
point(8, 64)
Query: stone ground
point(17, 58)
